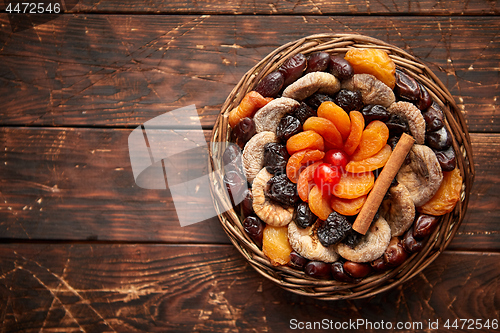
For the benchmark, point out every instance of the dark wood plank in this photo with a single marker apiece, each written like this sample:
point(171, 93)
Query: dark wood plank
point(121, 70)
point(158, 288)
point(77, 184)
point(290, 7)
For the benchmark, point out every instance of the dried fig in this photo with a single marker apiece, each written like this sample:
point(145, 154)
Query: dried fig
point(373, 91)
point(413, 117)
point(305, 242)
point(307, 85)
point(269, 116)
point(253, 154)
point(398, 209)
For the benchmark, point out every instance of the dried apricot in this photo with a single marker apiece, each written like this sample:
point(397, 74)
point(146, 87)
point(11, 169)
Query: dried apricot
point(326, 129)
point(275, 245)
point(373, 139)
point(356, 131)
point(375, 62)
point(354, 185)
point(348, 207)
point(337, 116)
point(446, 196)
point(247, 107)
point(297, 162)
point(305, 140)
point(319, 203)
point(306, 180)
point(371, 163)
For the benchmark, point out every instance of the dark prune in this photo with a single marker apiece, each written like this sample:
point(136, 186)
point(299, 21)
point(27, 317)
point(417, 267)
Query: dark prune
point(318, 62)
point(236, 184)
point(246, 206)
point(397, 125)
point(288, 127)
point(315, 100)
point(297, 261)
point(232, 158)
point(406, 87)
point(341, 68)
point(254, 227)
point(352, 238)
point(424, 226)
point(271, 84)
point(243, 131)
point(434, 118)
point(410, 244)
point(439, 140)
point(393, 141)
point(446, 159)
point(425, 100)
point(373, 112)
point(293, 68)
point(349, 100)
point(275, 157)
point(303, 112)
point(280, 189)
point(357, 270)
point(339, 273)
point(395, 254)
point(318, 270)
point(334, 229)
point(303, 216)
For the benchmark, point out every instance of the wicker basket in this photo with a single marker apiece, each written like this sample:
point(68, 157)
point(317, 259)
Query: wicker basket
point(295, 280)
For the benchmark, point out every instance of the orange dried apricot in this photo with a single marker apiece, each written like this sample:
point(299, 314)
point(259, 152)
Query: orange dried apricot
point(446, 196)
point(275, 245)
point(356, 131)
point(319, 203)
point(373, 139)
point(306, 180)
point(305, 140)
point(326, 129)
point(298, 160)
point(354, 185)
point(348, 207)
point(337, 116)
point(375, 62)
point(371, 163)
point(247, 107)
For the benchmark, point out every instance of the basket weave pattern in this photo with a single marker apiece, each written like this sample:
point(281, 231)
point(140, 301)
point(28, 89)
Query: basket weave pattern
point(295, 280)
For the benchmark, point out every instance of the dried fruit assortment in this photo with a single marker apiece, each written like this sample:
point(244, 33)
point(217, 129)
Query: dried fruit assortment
point(314, 135)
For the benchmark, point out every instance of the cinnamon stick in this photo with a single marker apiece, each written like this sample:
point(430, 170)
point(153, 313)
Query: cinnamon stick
point(382, 184)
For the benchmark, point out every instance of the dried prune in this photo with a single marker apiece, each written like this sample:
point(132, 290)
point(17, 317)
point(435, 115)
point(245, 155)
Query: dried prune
point(434, 118)
point(303, 112)
point(298, 261)
point(334, 229)
point(288, 127)
point(397, 125)
point(243, 131)
point(339, 273)
point(271, 84)
point(318, 270)
point(410, 244)
point(352, 238)
point(340, 67)
point(254, 227)
point(317, 62)
point(446, 159)
point(349, 100)
point(275, 157)
point(293, 68)
point(425, 100)
point(406, 87)
point(280, 189)
point(303, 216)
point(424, 226)
point(246, 206)
point(315, 100)
point(439, 140)
point(375, 112)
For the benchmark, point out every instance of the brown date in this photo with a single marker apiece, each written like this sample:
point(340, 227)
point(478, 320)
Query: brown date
point(446, 159)
point(318, 270)
point(340, 274)
point(293, 68)
point(424, 226)
point(271, 84)
point(357, 270)
point(410, 244)
point(434, 118)
point(297, 261)
point(439, 140)
point(425, 100)
point(317, 62)
point(340, 67)
point(406, 87)
point(395, 254)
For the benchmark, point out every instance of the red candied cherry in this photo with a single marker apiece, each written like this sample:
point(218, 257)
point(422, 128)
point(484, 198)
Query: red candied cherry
point(326, 177)
point(336, 157)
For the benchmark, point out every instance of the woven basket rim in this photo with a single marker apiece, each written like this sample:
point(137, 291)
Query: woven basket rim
point(294, 280)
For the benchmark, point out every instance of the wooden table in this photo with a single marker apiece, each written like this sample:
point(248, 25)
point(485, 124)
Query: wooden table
point(83, 248)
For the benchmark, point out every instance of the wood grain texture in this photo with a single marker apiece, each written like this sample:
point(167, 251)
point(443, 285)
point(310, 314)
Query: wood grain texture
point(158, 288)
point(121, 70)
point(274, 7)
point(77, 184)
